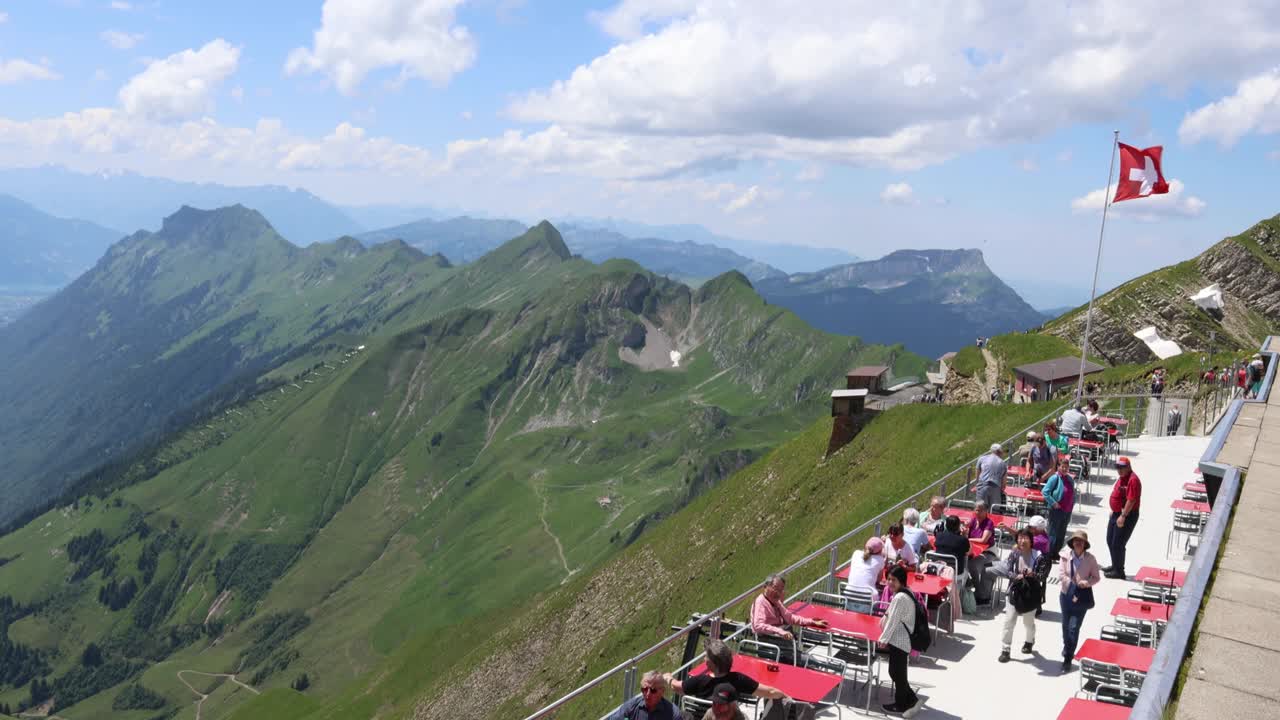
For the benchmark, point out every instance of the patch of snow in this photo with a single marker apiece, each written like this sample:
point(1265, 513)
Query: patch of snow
point(675, 358)
point(1162, 348)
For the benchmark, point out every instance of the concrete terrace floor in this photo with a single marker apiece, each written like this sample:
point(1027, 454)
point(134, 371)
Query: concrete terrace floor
point(1235, 668)
point(962, 679)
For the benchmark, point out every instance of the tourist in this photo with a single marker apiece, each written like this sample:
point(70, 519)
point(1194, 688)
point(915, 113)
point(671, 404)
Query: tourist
point(1024, 592)
point(1077, 574)
point(650, 703)
point(1060, 495)
point(724, 704)
point(1242, 379)
point(1257, 370)
point(1056, 440)
point(1039, 458)
point(1039, 528)
point(867, 565)
point(1126, 498)
point(982, 529)
point(936, 513)
point(897, 551)
point(1034, 392)
point(895, 637)
point(769, 619)
point(992, 470)
point(720, 671)
point(916, 537)
point(949, 541)
point(1074, 422)
point(1175, 421)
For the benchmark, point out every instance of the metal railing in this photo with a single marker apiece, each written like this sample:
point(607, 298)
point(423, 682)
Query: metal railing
point(959, 479)
point(1224, 488)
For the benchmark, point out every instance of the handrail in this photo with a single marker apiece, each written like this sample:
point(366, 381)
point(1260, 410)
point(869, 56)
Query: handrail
point(628, 666)
point(1158, 687)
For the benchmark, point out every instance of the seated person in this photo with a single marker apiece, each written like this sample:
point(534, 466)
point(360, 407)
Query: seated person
point(1040, 533)
point(917, 538)
point(720, 670)
point(866, 570)
point(981, 527)
point(897, 551)
point(724, 705)
point(650, 703)
point(950, 542)
point(933, 517)
point(1074, 422)
point(770, 618)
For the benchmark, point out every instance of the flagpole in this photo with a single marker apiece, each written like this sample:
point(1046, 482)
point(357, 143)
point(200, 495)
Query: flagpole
point(1097, 265)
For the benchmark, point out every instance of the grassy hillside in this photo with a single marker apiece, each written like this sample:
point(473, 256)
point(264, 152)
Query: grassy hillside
point(757, 520)
point(381, 501)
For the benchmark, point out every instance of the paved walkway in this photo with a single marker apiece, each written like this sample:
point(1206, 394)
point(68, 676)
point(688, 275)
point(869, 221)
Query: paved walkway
point(964, 680)
point(1235, 670)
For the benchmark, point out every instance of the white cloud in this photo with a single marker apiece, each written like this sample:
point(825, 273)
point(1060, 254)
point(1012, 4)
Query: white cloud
point(1254, 107)
point(898, 194)
point(121, 40)
point(4, 17)
point(629, 18)
point(743, 201)
point(1028, 165)
point(16, 71)
point(181, 85)
point(811, 172)
point(356, 37)
point(1173, 204)
point(465, 114)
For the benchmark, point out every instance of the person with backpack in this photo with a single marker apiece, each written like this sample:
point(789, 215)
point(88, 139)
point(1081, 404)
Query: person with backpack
point(1024, 593)
point(900, 630)
point(1078, 572)
point(1060, 495)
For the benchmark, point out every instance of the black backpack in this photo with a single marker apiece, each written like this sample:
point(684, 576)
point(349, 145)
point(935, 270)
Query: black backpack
point(1024, 593)
point(920, 637)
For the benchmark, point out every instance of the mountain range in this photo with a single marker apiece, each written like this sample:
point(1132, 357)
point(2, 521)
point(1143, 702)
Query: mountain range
point(41, 252)
point(226, 453)
point(933, 301)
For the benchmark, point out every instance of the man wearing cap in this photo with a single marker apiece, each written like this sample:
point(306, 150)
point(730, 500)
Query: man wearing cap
point(1126, 498)
point(1077, 574)
point(724, 704)
point(992, 470)
point(650, 703)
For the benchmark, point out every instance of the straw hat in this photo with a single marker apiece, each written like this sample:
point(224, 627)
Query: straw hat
point(1079, 535)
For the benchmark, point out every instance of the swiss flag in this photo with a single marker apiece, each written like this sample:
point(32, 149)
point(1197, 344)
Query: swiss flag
point(1140, 173)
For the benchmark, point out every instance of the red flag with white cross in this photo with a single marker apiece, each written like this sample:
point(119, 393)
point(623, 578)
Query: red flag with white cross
point(1140, 173)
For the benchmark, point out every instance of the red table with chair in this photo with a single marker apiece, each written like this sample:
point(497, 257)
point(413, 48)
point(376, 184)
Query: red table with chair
point(809, 686)
point(1128, 657)
point(1077, 709)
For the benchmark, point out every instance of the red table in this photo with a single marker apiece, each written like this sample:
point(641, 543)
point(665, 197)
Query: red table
point(975, 548)
point(1159, 576)
point(1195, 487)
point(804, 685)
point(1128, 657)
point(930, 585)
point(1148, 611)
point(1118, 422)
point(1028, 494)
point(1004, 521)
point(1019, 471)
point(1191, 505)
point(1086, 444)
point(1077, 709)
point(841, 621)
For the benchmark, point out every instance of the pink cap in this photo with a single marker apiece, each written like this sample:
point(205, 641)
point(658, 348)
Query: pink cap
point(874, 546)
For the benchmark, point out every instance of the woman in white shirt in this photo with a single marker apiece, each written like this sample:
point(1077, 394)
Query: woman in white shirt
point(895, 637)
point(867, 565)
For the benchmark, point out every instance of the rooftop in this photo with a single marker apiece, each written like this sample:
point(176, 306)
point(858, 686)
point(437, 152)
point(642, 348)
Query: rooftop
point(849, 393)
point(868, 371)
point(1058, 369)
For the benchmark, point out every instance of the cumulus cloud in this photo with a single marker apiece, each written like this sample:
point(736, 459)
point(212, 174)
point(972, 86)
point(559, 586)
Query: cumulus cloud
point(898, 194)
point(1254, 107)
point(16, 71)
point(899, 86)
point(1174, 204)
point(348, 147)
point(181, 85)
point(356, 37)
point(121, 40)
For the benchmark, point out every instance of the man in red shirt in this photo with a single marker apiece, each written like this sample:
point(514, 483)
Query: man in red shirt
point(1126, 497)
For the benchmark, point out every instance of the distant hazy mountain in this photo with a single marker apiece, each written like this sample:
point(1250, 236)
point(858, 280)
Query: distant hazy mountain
point(1054, 312)
point(129, 201)
point(463, 239)
point(930, 300)
point(38, 250)
point(790, 258)
point(385, 216)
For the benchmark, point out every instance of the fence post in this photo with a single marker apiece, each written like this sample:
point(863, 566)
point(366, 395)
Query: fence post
point(831, 569)
point(878, 533)
point(714, 630)
point(628, 683)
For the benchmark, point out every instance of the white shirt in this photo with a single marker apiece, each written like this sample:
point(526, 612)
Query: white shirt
point(898, 622)
point(865, 574)
point(891, 554)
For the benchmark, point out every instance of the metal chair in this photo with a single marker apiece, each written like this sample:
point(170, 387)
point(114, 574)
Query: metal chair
point(828, 599)
point(834, 666)
point(1154, 594)
point(962, 504)
point(693, 707)
point(1188, 524)
point(1122, 634)
point(859, 599)
point(858, 653)
point(762, 650)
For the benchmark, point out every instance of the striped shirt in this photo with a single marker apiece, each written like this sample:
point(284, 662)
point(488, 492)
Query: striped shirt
point(899, 621)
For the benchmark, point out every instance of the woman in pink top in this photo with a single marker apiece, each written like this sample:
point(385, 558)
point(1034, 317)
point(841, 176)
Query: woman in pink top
point(1078, 572)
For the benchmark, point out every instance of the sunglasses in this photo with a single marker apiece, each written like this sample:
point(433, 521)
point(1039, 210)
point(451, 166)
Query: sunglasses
point(647, 690)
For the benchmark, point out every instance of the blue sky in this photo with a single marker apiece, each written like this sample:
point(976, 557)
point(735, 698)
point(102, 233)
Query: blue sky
point(833, 123)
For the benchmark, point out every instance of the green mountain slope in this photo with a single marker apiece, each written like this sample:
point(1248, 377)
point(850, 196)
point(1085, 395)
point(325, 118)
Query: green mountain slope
point(40, 251)
point(394, 495)
point(930, 300)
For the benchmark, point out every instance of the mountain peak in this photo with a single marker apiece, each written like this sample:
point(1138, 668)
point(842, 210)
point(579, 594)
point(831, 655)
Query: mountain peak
point(220, 228)
point(546, 234)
